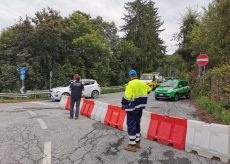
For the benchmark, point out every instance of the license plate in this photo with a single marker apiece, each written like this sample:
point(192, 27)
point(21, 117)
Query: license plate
point(161, 94)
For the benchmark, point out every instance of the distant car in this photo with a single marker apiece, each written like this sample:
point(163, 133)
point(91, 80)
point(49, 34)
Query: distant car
point(173, 89)
point(149, 79)
point(91, 89)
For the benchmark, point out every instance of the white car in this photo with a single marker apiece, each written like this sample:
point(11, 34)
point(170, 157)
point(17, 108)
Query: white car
point(91, 89)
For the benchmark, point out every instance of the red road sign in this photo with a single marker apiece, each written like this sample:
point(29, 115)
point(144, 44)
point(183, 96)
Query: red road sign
point(202, 60)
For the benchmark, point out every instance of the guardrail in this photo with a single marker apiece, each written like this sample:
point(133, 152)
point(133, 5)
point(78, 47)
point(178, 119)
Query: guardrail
point(28, 93)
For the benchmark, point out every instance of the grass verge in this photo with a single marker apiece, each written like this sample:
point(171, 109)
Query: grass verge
point(24, 99)
point(112, 90)
point(215, 108)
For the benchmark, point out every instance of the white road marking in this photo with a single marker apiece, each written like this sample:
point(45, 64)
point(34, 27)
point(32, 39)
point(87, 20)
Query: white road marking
point(42, 123)
point(47, 153)
point(31, 113)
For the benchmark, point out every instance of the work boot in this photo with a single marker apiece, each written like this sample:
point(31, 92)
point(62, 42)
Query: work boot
point(131, 148)
point(138, 145)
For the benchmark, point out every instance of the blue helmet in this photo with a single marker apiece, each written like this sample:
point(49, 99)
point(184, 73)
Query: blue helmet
point(132, 72)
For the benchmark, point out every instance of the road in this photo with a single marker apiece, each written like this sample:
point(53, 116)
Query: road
point(40, 132)
point(182, 108)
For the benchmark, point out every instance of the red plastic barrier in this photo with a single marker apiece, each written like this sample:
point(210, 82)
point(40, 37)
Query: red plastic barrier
point(115, 116)
point(87, 108)
point(168, 130)
point(121, 119)
point(67, 105)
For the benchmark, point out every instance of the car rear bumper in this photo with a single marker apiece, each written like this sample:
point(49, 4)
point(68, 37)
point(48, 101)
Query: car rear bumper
point(163, 95)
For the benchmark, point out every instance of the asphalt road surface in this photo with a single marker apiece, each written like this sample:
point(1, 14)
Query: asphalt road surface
point(40, 132)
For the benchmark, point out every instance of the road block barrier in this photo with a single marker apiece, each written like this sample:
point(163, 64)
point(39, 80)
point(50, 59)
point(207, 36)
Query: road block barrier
point(87, 108)
point(81, 103)
point(96, 109)
point(145, 122)
point(168, 130)
point(209, 140)
point(63, 101)
point(101, 111)
point(115, 116)
point(125, 128)
point(67, 106)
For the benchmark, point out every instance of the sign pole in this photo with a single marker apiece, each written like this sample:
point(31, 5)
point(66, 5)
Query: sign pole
point(51, 74)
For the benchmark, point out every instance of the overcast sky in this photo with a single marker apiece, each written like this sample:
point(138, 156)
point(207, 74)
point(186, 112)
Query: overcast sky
point(170, 11)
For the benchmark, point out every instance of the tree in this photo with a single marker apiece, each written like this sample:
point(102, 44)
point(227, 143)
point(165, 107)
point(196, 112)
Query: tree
point(212, 36)
point(190, 20)
point(142, 27)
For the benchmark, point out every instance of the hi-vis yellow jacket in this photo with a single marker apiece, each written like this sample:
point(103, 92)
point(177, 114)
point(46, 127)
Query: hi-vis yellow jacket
point(136, 95)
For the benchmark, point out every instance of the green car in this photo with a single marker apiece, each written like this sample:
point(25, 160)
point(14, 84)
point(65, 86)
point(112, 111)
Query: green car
point(173, 89)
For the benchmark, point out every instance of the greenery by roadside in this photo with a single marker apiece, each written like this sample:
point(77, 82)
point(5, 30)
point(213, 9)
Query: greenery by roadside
point(24, 99)
point(112, 90)
point(215, 108)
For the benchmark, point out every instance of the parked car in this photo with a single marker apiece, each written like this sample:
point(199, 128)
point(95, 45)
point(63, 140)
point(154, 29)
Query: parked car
point(173, 89)
point(91, 89)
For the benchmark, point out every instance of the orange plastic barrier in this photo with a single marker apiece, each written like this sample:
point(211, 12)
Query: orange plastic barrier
point(87, 108)
point(67, 105)
point(168, 130)
point(115, 116)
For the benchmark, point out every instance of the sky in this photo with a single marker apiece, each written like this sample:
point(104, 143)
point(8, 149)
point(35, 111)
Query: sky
point(170, 11)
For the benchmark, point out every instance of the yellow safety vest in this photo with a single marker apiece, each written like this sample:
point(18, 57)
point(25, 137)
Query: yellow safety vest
point(136, 95)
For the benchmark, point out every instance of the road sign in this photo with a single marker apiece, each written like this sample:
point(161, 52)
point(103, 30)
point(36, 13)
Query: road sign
point(22, 77)
point(202, 60)
point(22, 69)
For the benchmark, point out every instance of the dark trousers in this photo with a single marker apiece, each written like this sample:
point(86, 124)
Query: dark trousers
point(73, 101)
point(133, 124)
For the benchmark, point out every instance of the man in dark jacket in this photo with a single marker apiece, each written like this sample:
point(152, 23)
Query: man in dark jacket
point(76, 92)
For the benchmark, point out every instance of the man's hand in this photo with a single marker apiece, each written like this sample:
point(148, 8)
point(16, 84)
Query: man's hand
point(123, 107)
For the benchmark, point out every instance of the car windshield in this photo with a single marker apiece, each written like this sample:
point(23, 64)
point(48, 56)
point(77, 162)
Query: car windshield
point(169, 84)
point(67, 84)
point(146, 77)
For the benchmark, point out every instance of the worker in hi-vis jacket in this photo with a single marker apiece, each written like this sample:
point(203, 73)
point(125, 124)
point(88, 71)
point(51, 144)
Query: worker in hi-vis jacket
point(134, 101)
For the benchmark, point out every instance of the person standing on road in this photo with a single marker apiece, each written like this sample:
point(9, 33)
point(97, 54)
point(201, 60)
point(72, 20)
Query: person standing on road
point(76, 89)
point(134, 101)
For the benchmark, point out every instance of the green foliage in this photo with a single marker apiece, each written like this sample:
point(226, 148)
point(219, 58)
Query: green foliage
point(142, 28)
point(215, 108)
point(212, 35)
point(112, 90)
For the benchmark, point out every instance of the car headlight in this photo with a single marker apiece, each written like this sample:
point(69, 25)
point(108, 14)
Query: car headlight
point(170, 90)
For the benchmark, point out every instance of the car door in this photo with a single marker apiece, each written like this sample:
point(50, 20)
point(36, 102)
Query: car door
point(180, 89)
point(86, 91)
point(185, 88)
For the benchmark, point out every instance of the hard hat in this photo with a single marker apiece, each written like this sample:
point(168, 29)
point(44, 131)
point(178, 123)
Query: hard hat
point(132, 72)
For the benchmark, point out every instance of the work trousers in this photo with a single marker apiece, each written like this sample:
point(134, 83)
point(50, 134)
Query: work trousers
point(73, 101)
point(133, 124)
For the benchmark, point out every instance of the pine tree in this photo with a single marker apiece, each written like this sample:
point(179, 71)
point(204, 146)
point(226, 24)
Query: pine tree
point(142, 27)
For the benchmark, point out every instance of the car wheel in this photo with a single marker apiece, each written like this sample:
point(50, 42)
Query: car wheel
point(157, 98)
point(188, 96)
point(64, 94)
point(95, 94)
point(176, 97)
